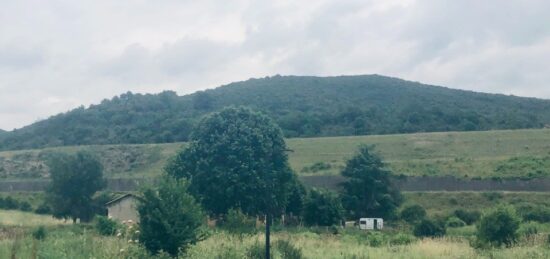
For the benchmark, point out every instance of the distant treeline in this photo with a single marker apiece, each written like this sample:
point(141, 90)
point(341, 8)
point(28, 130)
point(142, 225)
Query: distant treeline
point(302, 106)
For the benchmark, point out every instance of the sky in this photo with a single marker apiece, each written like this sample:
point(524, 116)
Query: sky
point(58, 55)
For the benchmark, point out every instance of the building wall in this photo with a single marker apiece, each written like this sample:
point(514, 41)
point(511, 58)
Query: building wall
point(124, 209)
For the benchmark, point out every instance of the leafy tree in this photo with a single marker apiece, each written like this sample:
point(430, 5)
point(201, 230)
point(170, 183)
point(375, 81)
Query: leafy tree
point(469, 217)
point(413, 213)
point(499, 227)
point(236, 159)
point(75, 180)
point(429, 228)
point(322, 208)
point(170, 218)
point(368, 191)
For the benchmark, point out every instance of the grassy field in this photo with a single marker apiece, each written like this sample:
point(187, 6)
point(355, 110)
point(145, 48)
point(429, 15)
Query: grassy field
point(508, 153)
point(82, 241)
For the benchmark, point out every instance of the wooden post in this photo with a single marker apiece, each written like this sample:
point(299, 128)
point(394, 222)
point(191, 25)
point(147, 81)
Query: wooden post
point(267, 225)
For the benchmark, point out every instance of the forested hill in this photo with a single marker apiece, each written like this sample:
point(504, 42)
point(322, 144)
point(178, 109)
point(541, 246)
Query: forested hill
point(303, 106)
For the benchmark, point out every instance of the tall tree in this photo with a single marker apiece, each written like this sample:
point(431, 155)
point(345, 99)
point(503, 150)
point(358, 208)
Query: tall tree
point(368, 191)
point(236, 159)
point(74, 181)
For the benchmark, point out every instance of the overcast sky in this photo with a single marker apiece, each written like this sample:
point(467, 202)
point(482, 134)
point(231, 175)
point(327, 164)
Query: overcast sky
point(58, 55)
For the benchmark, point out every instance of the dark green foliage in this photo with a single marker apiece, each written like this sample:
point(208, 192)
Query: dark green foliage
point(237, 222)
point(454, 222)
point(469, 217)
point(288, 250)
point(236, 159)
point(429, 228)
point(322, 208)
point(303, 106)
point(43, 209)
point(39, 233)
point(369, 191)
point(413, 213)
point(75, 180)
point(531, 212)
point(499, 227)
point(10, 203)
point(170, 218)
point(296, 198)
point(105, 226)
point(25, 206)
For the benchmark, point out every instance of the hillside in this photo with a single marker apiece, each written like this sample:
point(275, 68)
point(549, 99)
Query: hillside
point(486, 154)
point(302, 106)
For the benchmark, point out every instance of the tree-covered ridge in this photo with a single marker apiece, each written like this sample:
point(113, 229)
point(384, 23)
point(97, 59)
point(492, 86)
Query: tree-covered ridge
point(302, 106)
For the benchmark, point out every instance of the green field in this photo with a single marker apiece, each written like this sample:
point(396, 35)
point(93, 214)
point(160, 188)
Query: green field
point(484, 154)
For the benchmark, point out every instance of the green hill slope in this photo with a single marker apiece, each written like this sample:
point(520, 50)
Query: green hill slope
point(302, 106)
point(487, 154)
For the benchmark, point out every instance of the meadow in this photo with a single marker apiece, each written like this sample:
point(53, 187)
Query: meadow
point(61, 240)
point(482, 154)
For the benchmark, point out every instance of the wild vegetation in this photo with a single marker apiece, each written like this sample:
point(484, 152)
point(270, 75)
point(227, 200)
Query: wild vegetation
point(302, 106)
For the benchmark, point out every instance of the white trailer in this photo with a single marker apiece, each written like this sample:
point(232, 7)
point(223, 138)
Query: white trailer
point(371, 223)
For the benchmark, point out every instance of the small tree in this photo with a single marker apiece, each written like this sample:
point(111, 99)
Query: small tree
point(322, 208)
point(413, 213)
point(429, 228)
point(499, 227)
point(170, 218)
point(368, 190)
point(75, 180)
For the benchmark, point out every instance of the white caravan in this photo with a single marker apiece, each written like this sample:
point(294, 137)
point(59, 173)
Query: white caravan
point(371, 223)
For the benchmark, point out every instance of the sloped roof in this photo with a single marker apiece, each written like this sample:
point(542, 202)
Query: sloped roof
point(120, 198)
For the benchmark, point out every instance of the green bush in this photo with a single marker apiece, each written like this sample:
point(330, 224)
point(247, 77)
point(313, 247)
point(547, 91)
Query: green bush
point(237, 222)
point(454, 222)
point(322, 208)
point(469, 217)
point(39, 233)
point(413, 213)
point(105, 226)
point(401, 239)
point(499, 227)
point(528, 229)
point(288, 251)
point(376, 239)
point(429, 228)
point(530, 212)
point(25, 206)
point(42, 209)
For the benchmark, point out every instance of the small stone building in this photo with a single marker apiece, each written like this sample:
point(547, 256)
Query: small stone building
point(123, 208)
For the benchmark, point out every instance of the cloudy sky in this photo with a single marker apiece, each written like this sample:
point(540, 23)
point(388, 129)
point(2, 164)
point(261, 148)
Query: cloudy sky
point(58, 55)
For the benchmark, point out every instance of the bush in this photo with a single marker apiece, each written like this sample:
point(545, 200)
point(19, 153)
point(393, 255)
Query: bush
point(376, 239)
point(105, 226)
point(469, 217)
point(237, 222)
point(39, 233)
point(288, 251)
point(454, 222)
point(401, 239)
point(25, 206)
point(499, 227)
point(531, 212)
point(413, 214)
point(170, 218)
point(42, 209)
point(322, 208)
point(10, 203)
point(429, 228)
point(528, 229)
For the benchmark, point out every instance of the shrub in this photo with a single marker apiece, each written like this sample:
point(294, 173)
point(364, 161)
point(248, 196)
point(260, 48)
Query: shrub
point(322, 208)
point(401, 239)
point(105, 226)
point(237, 222)
point(288, 251)
point(454, 222)
point(39, 233)
point(376, 239)
point(42, 209)
point(413, 213)
point(429, 228)
point(499, 227)
point(25, 206)
point(170, 218)
point(531, 212)
point(469, 217)
point(10, 203)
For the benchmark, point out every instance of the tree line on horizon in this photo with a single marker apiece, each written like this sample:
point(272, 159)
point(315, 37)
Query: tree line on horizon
point(301, 106)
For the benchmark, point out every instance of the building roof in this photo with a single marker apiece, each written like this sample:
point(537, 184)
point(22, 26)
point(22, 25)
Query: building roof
point(120, 198)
